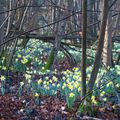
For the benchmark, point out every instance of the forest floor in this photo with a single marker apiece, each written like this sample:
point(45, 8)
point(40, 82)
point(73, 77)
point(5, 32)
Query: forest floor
point(51, 108)
point(13, 107)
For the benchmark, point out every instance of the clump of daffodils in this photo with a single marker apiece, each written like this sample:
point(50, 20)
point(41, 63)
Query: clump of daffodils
point(93, 100)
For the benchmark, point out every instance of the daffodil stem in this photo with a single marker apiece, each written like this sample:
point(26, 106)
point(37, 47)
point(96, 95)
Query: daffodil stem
point(37, 101)
point(20, 91)
point(3, 88)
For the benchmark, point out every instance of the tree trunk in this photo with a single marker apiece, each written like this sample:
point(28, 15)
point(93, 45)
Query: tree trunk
point(87, 105)
point(107, 50)
point(2, 17)
point(100, 46)
point(84, 30)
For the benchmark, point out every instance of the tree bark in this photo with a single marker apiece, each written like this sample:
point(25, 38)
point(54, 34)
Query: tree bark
point(107, 50)
point(84, 30)
point(2, 17)
point(100, 46)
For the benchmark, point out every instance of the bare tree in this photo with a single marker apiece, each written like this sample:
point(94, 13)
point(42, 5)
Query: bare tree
point(84, 30)
point(107, 51)
point(2, 18)
point(100, 46)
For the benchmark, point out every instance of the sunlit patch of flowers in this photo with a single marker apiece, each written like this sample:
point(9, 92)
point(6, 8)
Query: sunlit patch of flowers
point(69, 83)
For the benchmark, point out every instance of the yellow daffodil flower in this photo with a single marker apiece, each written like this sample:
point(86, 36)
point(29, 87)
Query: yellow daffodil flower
point(55, 78)
point(24, 60)
point(27, 76)
point(105, 99)
point(102, 93)
point(79, 89)
point(76, 84)
point(21, 83)
point(71, 95)
point(19, 56)
point(47, 78)
point(93, 100)
point(58, 85)
point(4, 68)
point(70, 87)
point(109, 84)
point(2, 78)
point(53, 85)
point(39, 81)
point(50, 81)
point(36, 95)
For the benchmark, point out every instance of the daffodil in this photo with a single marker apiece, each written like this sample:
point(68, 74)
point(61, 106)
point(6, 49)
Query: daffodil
point(36, 59)
point(36, 95)
point(63, 78)
point(88, 76)
point(70, 87)
point(43, 68)
point(67, 80)
point(27, 76)
point(58, 85)
point(44, 82)
point(79, 89)
point(55, 92)
point(102, 93)
point(4, 68)
point(76, 69)
point(104, 99)
point(55, 71)
point(50, 81)
point(47, 78)
point(21, 83)
point(118, 85)
point(16, 59)
point(2, 78)
point(71, 95)
point(24, 60)
point(109, 84)
point(29, 81)
point(19, 56)
point(75, 77)
point(64, 84)
point(53, 84)
point(45, 86)
point(76, 84)
point(55, 78)
point(94, 100)
point(63, 87)
point(39, 81)
point(80, 79)
point(47, 83)
point(65, 72)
